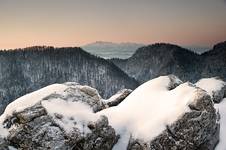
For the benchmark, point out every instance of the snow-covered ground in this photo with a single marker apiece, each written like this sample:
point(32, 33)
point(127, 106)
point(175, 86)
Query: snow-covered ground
point(222, 110)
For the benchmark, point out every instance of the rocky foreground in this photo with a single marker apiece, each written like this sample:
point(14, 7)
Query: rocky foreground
point(163, 113)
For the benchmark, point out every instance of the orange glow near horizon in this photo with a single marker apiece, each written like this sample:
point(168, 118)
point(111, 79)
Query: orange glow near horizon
point(76, 23)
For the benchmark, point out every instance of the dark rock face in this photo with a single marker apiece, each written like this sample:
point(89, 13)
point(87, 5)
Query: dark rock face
point(118, 97)
point(196, 129)
point(26, 70)
point(34, 128)
point(103, 137)
point(174, 82)
point(219, 95)
point(163, 59)
point(43, 133)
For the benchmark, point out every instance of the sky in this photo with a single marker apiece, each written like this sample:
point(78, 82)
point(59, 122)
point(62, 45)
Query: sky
point(61, 23)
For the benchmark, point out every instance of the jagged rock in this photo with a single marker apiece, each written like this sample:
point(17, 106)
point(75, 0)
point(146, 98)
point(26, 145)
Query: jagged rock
point(196, 129)
point(35, 127)
point(118, 97)
point(219, 94)
point(102, 137)
point(174, 82)
point(80, 93)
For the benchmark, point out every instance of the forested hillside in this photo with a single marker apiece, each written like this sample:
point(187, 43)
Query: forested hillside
point(162, 59)
point(26, 70)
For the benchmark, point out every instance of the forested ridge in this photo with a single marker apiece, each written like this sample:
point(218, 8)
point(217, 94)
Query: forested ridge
point(162, 59)
point(26, 70)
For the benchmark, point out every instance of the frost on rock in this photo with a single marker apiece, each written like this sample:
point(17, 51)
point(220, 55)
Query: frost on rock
point(215, 87)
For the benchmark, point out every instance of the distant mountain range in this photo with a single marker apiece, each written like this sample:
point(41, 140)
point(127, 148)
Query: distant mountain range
point(26, 70)
point(112, 50)
point(162, 59)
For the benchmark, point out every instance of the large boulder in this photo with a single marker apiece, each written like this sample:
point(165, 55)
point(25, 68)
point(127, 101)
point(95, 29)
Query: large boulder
point(196, 129)
point(50, 124)
point(166, 114)
point(215, 87)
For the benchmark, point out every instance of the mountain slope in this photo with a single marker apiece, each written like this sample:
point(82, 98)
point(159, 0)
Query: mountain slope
point(112, 50)
point(161, 59)
point(214, 61)
point(26, 70)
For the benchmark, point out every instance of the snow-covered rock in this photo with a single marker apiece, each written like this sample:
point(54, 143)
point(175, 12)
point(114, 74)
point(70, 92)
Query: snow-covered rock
point(60, 116)
point(215, 87)
point(163, 113)
point(158, 115)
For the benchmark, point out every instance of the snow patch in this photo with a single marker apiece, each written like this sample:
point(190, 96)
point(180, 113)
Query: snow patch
point(210, 85)
point(73, 114)
point(123, 142)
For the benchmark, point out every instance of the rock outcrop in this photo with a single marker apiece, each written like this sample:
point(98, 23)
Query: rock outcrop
point(215, 87)
point(196, 129)
point(36, 128)
point(218, 95)
point(118, 97)
point(70, 119)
